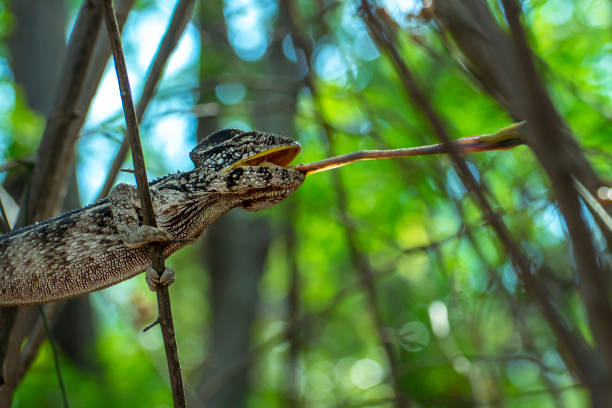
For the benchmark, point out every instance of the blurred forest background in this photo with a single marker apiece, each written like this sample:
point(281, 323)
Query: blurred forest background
point(416, 282)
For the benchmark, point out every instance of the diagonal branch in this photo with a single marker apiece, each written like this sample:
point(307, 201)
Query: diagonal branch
point(157, 259)
point(549, 137)
point(56, 149)
point(572, 344)
point(506, 63)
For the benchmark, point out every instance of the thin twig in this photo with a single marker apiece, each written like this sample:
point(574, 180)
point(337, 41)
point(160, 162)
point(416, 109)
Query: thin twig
point(180, 18)
point(58, 370)
point(157, 259)
point(36, 337)
point(506, 138)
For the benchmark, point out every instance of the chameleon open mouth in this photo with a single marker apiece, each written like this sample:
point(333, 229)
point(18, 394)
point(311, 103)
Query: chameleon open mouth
point(277, 156)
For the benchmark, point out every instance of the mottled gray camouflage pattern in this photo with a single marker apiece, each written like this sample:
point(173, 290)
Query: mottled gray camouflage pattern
point(103, 244)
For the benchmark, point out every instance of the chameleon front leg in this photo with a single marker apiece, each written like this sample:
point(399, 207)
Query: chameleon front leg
point(124, 204)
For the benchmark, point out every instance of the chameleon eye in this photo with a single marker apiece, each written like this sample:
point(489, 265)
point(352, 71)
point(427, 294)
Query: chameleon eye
point(211, 145)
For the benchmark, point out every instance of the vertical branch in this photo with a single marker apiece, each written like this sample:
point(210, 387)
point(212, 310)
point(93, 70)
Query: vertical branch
point(58, 370)
point(157, 259)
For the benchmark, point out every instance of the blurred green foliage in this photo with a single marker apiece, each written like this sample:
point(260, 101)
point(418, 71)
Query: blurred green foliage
point(496, 348)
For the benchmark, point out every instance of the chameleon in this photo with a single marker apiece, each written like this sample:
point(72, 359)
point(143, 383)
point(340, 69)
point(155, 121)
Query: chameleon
point(100, 245)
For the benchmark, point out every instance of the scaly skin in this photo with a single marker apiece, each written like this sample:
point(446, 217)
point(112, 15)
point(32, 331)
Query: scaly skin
point(103, 244)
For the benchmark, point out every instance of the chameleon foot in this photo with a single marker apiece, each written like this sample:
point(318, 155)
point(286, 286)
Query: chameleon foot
point(146, 234)
point(154, 280)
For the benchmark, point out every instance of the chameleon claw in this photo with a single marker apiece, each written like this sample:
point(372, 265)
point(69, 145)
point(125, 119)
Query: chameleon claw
point(154, 280)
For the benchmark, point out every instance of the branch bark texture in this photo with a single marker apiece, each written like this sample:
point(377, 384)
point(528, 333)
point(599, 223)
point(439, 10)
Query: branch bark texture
point(157, 259)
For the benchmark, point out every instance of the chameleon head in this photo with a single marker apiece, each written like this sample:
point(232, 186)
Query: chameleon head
point(249, 165)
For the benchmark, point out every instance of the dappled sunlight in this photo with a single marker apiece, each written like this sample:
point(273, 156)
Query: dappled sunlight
point(475, 274)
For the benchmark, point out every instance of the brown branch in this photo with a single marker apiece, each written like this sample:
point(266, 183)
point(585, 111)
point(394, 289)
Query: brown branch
point(180, 17)
point(157, 259)
point(572, 344)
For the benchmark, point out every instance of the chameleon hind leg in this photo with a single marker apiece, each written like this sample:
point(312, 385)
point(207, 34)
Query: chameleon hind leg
point(154, 280)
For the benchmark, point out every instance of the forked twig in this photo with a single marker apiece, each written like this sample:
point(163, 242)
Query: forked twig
point(157, 259)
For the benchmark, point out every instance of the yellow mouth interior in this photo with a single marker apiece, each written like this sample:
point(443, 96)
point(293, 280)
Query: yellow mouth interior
point(276, 156)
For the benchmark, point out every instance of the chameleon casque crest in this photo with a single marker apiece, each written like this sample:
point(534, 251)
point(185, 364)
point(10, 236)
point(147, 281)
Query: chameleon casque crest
point(105, 243)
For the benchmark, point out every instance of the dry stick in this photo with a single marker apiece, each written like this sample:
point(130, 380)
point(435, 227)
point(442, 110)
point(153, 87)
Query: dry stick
point(180, 17)
point(536, 291)
point(58, 370)
point(157, 259)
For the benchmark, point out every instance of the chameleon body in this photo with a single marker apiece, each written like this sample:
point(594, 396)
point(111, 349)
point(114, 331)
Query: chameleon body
point(105, 243)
